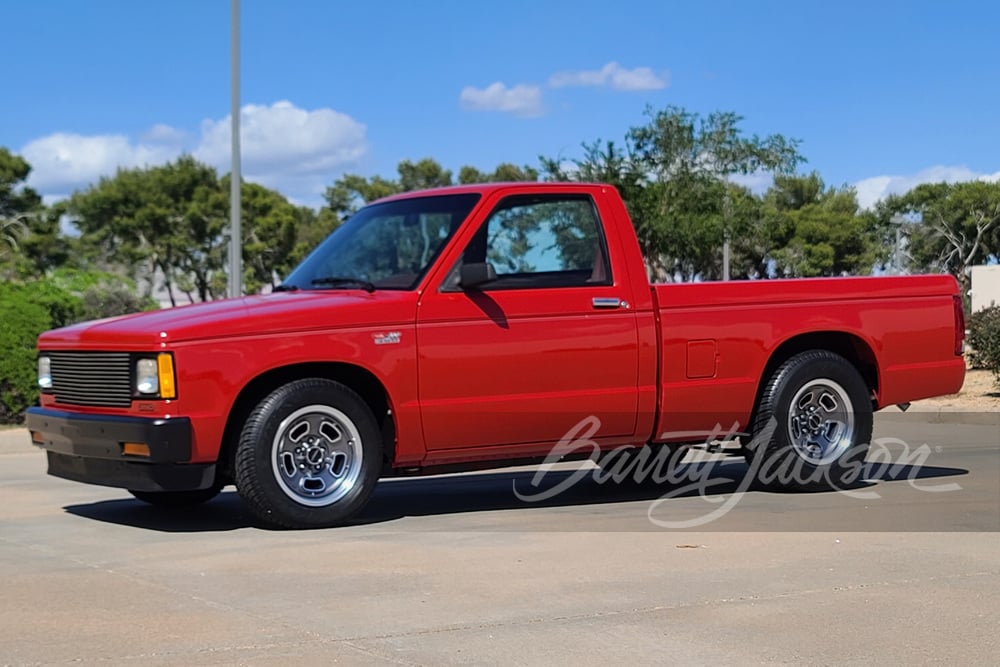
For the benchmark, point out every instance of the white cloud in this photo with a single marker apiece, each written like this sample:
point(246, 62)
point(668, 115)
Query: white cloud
point(614, 76)
point(526, 99)
point(876, 188)
point(757, 182)
point(295, 150)
point(283, 138)
point(166, 135)
point(521, 100)
point(63, 161)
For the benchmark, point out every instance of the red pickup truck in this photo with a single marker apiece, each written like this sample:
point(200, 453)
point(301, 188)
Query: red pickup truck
point(477, 326)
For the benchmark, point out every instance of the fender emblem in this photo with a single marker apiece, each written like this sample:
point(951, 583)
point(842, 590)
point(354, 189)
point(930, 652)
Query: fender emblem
point(387, 338)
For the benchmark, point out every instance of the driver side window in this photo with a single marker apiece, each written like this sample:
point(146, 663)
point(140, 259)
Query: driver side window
point(542, 241)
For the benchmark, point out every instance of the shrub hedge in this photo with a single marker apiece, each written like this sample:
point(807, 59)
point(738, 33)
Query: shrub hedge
point(984, 339)
point(28, 309)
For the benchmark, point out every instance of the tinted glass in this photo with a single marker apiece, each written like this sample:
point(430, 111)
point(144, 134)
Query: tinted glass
point(389, 245)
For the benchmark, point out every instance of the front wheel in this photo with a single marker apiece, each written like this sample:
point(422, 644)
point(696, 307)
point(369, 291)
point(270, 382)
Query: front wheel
point(309, 455)
point(813, 424)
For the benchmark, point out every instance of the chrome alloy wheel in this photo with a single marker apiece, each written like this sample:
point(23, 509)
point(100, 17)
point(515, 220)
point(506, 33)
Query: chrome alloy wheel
point(316, 455)
point(821, 421)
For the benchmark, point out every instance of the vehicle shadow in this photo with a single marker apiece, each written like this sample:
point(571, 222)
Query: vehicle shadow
point(395, 499)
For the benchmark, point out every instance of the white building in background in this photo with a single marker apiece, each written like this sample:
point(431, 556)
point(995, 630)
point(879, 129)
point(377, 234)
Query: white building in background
point(985, 287)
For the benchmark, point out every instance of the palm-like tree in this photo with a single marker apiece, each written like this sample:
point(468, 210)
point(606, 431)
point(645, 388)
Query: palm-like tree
point(11, 231)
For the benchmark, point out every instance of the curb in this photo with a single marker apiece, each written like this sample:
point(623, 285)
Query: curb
point(940, 416)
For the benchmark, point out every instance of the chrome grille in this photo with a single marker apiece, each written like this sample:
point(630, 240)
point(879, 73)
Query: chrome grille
point(92, 378)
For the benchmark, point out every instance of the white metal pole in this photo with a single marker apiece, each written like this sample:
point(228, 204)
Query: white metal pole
point(235, 238)
point(726, 211)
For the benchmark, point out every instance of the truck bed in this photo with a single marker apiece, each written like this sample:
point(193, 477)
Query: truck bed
point(717, 338)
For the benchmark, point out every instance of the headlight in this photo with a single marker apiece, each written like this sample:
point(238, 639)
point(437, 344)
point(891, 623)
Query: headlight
point(44, 373)
point(154, 376)
point(147, 379)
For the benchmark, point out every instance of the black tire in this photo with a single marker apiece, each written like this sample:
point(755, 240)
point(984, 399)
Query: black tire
point(309, 455)
point(822, 440)
point(177, 499)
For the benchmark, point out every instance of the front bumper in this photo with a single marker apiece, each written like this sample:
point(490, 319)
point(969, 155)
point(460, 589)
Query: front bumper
point(88, 448)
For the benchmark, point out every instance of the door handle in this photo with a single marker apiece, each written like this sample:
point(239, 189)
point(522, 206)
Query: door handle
point(608, 302)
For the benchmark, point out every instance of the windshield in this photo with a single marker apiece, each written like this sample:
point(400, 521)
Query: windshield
point(384, 246)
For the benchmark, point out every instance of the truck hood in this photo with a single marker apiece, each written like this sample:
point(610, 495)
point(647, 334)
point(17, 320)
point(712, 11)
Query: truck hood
point(284, 312)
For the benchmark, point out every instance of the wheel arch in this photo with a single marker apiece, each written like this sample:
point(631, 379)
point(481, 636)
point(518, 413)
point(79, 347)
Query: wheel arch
point(852, 347)
point(361, 380)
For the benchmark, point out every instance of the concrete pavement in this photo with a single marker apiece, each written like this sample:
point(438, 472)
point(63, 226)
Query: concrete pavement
point(456, 570)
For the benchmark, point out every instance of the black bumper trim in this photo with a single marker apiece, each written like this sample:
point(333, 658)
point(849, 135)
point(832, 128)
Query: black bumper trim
point(132, 475)
point(100, 436)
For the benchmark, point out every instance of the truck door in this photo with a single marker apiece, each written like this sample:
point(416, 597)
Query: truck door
point(524, 357)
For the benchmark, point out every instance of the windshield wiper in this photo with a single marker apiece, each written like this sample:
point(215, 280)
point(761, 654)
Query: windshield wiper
point(336, 281)
point(286, 288)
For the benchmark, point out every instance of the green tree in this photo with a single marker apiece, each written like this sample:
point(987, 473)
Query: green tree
point(351, 191)
point(46, 247)
point(959, 226)
point(11, 231)
point(422, 175)
point(504, 173)
point(163, 221)
point(171, 223)
point(271, 224)
point(673, 174)
point(19, 207)
point(16, 199)
point(815, 230)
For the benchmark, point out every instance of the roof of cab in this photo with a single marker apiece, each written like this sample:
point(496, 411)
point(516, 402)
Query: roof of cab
point(487, 188)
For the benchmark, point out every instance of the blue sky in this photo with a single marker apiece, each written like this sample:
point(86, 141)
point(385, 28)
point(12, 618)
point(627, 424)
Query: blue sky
point(883, 95)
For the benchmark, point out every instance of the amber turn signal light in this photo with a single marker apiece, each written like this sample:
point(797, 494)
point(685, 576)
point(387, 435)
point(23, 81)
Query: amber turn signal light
point(165, 372)
point(135, 449)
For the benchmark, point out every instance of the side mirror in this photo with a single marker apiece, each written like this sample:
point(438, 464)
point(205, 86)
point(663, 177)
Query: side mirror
point(471, 276)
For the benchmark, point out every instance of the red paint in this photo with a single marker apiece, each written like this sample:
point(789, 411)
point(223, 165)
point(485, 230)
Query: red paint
point(504, 374)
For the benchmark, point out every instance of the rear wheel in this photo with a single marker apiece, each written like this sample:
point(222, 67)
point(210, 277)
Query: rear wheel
point(309, 455)
point(813, 424)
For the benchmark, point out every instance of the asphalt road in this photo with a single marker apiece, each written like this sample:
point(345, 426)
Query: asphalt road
point(904, 570)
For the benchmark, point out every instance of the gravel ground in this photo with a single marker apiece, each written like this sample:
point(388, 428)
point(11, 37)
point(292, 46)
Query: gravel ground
point(979, 393)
